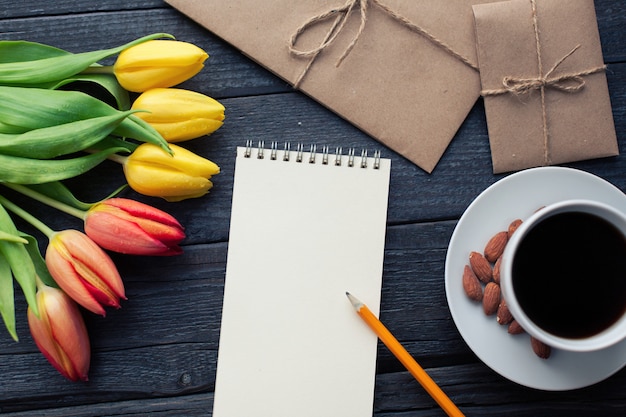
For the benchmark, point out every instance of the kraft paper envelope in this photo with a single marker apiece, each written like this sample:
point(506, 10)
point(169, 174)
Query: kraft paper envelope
point(542, 71)
point(395, 84)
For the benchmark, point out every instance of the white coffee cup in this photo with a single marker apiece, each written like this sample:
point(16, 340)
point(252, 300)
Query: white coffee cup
point(557, 280)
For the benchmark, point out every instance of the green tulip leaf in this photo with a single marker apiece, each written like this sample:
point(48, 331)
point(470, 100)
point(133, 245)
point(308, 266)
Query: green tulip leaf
point(53, 141)
point(38, 261)
point(59, 67)
point(8, 128)
point(20, 170)
point(58, 192)
point(19, 260)
point(55, 190)
point(20, 51)
point(101, 86)
point(35, 108)
point(114, 142)
point(92, 84)
point(11, 238)
point(23, 109)
point(7, 300)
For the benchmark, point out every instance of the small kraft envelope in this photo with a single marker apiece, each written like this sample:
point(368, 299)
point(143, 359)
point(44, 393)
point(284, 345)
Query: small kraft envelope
point(544, 83)
point(403, 71)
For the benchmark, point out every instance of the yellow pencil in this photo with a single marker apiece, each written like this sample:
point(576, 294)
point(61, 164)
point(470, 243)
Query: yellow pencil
point(405, 358)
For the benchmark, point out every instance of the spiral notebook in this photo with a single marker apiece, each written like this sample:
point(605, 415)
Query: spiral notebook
point(306, 227)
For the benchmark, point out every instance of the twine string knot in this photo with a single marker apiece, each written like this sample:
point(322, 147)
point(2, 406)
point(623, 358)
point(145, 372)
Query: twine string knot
point(342, 16)
point(567, 83)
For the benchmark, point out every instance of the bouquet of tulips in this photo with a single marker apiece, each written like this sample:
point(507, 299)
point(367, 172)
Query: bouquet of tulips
point(50, 132)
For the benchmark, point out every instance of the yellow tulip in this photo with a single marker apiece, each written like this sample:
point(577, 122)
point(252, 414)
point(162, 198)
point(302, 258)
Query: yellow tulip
point(178, 114)
point(151, 171)
point(158, 63)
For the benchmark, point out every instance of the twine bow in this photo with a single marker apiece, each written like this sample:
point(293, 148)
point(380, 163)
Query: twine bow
point(342, 15)
point(569, 83)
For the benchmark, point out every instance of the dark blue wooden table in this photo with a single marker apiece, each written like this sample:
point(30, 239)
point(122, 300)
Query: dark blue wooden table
point(157, 355)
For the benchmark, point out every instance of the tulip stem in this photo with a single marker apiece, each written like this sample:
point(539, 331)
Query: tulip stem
point(120, 159)
point(35, 222)
point(98, 69)
point(65, 208)
point(39, 283)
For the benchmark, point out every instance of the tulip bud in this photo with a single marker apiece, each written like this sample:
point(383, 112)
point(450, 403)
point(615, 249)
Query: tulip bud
point(60, 333)
point(158, 63)
point(128, 226)
point(179, 115)
point(151, 171)
point(84, 271)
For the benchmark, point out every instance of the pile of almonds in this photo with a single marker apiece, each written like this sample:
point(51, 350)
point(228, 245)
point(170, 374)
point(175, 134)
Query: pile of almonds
point(481, 282)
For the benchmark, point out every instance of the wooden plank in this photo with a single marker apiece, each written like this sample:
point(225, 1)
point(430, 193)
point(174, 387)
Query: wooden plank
point(14, 10)
point(397, 394)
point(611, 16)
point(193, 405)
point(132, 373)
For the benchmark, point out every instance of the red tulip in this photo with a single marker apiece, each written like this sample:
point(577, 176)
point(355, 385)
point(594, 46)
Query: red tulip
point(60, 333)
point(84, 271)
point(128, 226)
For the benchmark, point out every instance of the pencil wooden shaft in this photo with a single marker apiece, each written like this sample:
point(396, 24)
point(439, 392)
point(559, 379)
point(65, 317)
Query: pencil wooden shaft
point(409, 363)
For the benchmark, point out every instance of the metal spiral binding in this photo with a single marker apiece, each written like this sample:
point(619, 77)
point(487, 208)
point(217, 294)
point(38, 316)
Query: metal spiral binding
point(313, 154)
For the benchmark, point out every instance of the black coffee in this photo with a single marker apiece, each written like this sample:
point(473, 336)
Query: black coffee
point(569, 274)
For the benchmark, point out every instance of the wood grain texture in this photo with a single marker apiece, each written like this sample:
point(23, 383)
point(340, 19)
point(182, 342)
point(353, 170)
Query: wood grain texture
point(157, 354)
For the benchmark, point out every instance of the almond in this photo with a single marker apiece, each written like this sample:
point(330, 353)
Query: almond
point(503, 315)
point(496, 271)
point(491, 298)
point(480, 266)
point(495, 246)
point(513, 226)
point(541, 349)
point(471, 284)
point(515, 328)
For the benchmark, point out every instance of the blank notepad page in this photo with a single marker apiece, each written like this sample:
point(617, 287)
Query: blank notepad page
point(305, 228)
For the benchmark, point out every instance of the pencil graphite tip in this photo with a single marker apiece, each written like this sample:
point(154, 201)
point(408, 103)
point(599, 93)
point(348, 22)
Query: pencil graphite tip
point(355, 301)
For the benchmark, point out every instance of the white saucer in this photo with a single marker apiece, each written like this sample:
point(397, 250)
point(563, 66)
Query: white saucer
point(518, 196)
